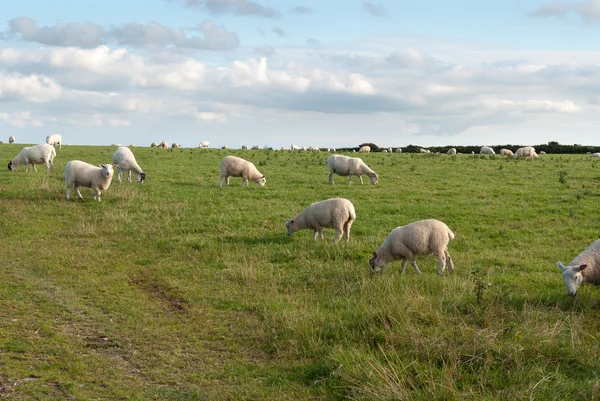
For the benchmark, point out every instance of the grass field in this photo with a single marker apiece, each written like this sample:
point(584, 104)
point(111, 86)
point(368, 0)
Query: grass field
point(176, 289)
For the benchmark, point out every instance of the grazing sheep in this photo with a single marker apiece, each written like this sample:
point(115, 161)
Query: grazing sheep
point(506, 152)
point(163, 144)
point(424, 150)
point(38, 154)
point(486, 150)
point(542, 153)
point(153, 145)
point(82, 174)
point(11, 139)
point(283, 148)
point(233, 166)
point(364, 149)
point(244, 147)
point(451, 151)
point(389, 150)
point(585, 268)
point(314, 148)
point(526, 151)
point(131, 145)
point(255, 147)
point(303, 148)
point(597, 154)
point(124, 159)
point(419, 238)
point(384, 151)
point(398, 150)
point(349, 166)
point(54, 139)
point(295, 147)
point(175, 145)
point(225, 147)
point(337, 213)
point(204, 144)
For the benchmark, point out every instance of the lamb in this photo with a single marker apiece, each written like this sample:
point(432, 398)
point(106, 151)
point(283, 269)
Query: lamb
point(451, 151)
point(349, 166)
point(418, 238)
point(527, 151)
point(233, 166)
point(78, 173)
point(364, 149)
point(486, 150)
point(38, 154)
point(125, 160)
point(54, 139)
point(11, 139)
point(506, 152)
point(204, 144)
point(585, 268)
point(337, 213)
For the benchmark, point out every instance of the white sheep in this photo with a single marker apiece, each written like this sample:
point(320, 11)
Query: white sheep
point(486, 150)
point(82, 174)
point(419, 238)
point(424, 150)
point(244, 147)
point(314, 148)
point(153, 145)
point(337, 213)
point(542, 153)
point(398, 150)
point(38, 154)
point(163, 144)
point(506, 152)
point(526, 151)
point(255, 147)
point(124, 159)
point(233, 166)
point(585, 268)
point(11, 139)
point(204, 144)
point(597, 154)
point(349, 166)
point(175, 145)
point(364, 149)
point(294, 147)
point(225, 147)
point(451, 151)
point(54, 139)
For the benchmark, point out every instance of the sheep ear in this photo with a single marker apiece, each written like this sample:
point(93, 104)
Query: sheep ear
point(561, 267)
point(115, 165)
point(101, 165)
point(582, 267)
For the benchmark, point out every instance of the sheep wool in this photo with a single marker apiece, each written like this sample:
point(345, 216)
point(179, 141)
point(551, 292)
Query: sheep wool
point(350, 166)
point(337, 213)
point(38, 154)
point(421, 237)
point(81, 174)
point(233, 166)
point(125, 160)
point(584, 268)
point(526, 151)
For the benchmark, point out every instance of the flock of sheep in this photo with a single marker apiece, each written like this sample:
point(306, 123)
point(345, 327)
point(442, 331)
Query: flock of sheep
point(403, 243)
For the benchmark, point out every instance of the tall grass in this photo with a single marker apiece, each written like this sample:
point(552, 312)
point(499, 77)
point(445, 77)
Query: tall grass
point(176, 289)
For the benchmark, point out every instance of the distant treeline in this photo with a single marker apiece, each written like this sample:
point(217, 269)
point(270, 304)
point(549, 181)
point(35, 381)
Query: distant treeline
point(550, 147)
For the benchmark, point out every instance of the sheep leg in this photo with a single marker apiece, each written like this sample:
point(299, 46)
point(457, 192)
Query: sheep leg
point(441, 266)
point(403, 265)
point(67, 192)
point(350, 178)
point(120, 175)
point(315, 234)
point(347, 226)
point(361, 181)
point(412, 262)
point(449, 262)
point(338, 235)
point(129, 176)
point(33, 165)
point(221, 181)
point(76, 188)
point(331, 177)
point(97, 194)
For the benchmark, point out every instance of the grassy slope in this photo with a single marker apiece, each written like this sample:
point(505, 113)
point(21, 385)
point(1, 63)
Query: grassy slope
point(176, 289)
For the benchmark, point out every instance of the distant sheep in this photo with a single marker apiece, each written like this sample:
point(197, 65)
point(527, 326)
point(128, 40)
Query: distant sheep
point(124, 159)
point(153, 145)
point(419, 238)
point(506, 152)
point(526, 151)
point(451, 151)
point(337, 213)
point(542, 153)
point(225, 147)
point(283, 148)
point(314, 148)
point(244, 147)
point(424, 150)
point(163, 144)
point(295, 147)
point(486, 150)
point(597, 154)
point(364, 149)
point(233, 166)
point(11, 139)
point(81, 174)
point(204, 144)
point(54, 139)
point(585, 268)
point(175, 145)
point(38, 154)
point(349, 166)
point(398, 150)
point(255, 147)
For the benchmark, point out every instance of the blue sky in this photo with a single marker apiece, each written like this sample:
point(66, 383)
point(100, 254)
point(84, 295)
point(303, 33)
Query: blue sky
point(321, 73)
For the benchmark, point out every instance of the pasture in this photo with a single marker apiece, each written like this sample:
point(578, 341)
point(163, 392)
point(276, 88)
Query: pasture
point(176, 289)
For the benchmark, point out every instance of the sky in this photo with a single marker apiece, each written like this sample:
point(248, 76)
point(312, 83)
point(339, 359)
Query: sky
point(334, 73)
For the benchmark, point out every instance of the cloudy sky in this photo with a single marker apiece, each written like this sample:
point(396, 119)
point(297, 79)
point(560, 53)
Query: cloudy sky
point(324, 73)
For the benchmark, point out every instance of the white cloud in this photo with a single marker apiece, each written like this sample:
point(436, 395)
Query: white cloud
point(33, 88)
point(587, 10)
point(210, 116)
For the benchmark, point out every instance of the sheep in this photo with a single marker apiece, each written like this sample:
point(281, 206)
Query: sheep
point(314, 148)
point(124, 159)
point(224, 147)
point(337, 213)
point(233, 166)
point(255, 147)
point(11, 139)
point(418, 238)
point(175, 145)
point(81, 174)
point(163, 144)
point(131, 145)
point(244, 147)
point(54, 139)
point(527, 151)
point(389, 150)
point(451, 151)
point(303, 148)
point(506, 152)
point(597, 154)
point(283, 148)
point(424, 150)
point(295, 147)
point(349, 166)
point(384, 151)
point(204, 144)
point(543, 153)
point(116, 145)
point(364, 149)
point(486, 150)
point(38, 154)
point(398, 150)
point(585, 268)
point(153, 145)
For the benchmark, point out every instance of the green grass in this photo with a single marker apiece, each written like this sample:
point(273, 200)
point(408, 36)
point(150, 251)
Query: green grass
point(176, 289)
